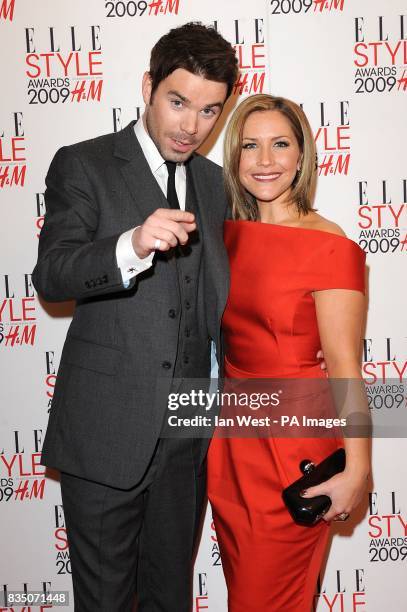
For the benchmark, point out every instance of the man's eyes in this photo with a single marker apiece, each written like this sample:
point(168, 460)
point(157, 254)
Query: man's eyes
point(207, 112)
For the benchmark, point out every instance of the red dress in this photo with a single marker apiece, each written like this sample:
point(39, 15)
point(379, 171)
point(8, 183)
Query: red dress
point(271, 564)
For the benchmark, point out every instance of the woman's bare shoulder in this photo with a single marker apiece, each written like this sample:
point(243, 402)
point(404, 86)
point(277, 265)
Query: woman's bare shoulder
point(315, 221)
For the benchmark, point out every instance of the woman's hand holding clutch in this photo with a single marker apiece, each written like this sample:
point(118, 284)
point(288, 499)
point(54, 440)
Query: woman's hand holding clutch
point(345, 489)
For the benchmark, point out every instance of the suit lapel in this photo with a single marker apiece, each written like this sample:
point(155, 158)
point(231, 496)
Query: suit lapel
point(137, 174)
point(215, 256)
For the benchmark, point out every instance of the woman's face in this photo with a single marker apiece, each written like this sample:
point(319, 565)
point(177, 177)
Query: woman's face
point(270, 156)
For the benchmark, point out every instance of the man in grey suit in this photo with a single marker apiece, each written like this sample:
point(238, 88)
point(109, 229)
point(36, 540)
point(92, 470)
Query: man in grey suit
point(133, 233)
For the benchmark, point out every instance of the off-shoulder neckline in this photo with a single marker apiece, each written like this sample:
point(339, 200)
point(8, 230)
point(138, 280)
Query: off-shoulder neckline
point(292, 227)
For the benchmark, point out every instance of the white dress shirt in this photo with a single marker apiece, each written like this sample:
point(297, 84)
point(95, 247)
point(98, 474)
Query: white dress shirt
point(127, 260)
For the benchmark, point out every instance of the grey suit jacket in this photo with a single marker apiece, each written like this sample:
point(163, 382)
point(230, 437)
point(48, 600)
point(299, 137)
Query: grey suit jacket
point(107, 408)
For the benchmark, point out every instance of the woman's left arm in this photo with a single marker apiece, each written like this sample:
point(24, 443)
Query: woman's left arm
point(340, 315)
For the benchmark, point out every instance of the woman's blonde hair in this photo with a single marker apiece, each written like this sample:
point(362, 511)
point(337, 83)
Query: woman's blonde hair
point(242, 203)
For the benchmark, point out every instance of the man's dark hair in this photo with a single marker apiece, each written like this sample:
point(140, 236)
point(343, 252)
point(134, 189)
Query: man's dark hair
point(197, 48)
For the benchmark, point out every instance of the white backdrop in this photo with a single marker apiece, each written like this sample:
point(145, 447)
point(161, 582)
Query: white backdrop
point(71, 71)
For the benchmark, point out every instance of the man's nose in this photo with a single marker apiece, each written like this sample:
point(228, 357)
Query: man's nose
point(189, 123)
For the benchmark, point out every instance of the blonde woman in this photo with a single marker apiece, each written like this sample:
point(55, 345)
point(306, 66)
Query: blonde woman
point(297, 284)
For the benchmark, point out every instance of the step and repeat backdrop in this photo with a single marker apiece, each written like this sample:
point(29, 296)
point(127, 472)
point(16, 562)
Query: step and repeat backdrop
point(71, 71)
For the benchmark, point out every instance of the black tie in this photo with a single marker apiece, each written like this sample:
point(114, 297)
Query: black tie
point(171, 191)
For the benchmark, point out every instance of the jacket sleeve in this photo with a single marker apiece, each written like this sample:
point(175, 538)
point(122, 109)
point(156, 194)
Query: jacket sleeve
point(71, 263)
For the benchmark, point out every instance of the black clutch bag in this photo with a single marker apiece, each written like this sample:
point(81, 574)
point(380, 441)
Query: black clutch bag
point(310, 511)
